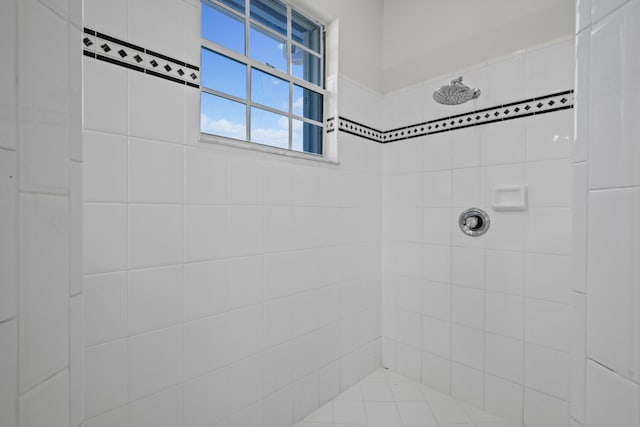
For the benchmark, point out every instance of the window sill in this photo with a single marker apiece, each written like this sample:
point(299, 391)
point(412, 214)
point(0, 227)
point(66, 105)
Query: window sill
point(253, 146)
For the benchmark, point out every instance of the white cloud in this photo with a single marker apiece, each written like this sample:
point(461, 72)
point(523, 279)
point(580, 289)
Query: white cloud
point(222, 127)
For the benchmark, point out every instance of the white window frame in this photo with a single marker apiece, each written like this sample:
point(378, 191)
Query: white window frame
point(290, 78)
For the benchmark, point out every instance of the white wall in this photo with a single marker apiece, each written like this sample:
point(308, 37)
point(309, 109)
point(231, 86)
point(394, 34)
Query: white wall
point(605, 289)
point(425, 38)
point(223, 286)
point(483, 318)
point(40, 207)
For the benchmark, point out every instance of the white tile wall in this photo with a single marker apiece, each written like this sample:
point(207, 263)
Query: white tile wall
point(495, 309)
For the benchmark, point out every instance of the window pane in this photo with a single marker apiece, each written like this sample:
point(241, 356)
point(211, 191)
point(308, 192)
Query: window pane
point(307, 137)
point(267, 49)
point(234, 4)
point(305, 65)
point(305, 32)
point(221, 116)
point(223, 74)
point(271, 14)
point(269, 90)
point(223, 27)
point(307, 103)
point(269, 128)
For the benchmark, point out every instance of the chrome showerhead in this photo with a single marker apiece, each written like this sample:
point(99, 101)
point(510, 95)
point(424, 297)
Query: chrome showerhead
point(455, 93)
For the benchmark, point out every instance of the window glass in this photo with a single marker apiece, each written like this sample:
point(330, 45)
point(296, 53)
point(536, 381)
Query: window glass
point(307, 137)
point(269, 90)
point(223, 27)
point(221, 116)
point(305, 31)
point(305, 65)
point(269, 128)
point(234, 4)
point(223, 74)
point(307, 103)
point(270, 13)
point(268, 49)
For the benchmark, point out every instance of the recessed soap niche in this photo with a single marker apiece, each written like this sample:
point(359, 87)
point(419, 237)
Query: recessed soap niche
point(509, 198)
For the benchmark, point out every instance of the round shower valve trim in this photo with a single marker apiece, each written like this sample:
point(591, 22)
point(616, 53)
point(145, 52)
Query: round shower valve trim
point(474, 222)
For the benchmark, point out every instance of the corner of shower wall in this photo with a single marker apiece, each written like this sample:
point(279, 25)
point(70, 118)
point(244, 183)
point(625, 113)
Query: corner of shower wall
point(485, 319)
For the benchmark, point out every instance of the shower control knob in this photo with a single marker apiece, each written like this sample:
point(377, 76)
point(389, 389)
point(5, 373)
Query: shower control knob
point(474, 222)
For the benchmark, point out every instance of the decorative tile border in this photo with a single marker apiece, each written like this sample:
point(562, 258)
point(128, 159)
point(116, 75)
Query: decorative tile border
point(110, 49)
point(514, 110)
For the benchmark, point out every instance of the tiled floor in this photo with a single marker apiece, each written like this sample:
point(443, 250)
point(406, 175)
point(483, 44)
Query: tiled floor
point(386, 399)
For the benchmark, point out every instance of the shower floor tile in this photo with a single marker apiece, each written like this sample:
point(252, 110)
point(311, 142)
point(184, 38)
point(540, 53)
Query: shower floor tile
point(386, 399)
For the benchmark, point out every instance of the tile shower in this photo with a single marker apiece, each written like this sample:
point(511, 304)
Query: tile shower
point(192, 284)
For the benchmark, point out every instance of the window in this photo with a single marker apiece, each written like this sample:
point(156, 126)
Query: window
point(262, 77)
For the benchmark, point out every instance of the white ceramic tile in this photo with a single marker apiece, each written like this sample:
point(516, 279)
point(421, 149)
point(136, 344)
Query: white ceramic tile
point(105, 301)
point(47, 403)
point(583, 14)
point(468, 307)
point(437, 188)
point(155, 171)
point(154, 361)
point(403, 190)
point(506, 81)
point(503, 175)
point(277, 368)
point(449, 412)
point(613, 154)
point(44, 287)
point(8, 229)
point(611, 399)
point(278, 230)
point(163, 409)
point(504, 357)
point(329, 382)
point(505, 271)
point(547, 324)
point(278, 408)
point(163, 32)
point(506, 141)
point(436, 300)
point(278, 321)
point(205, 232)
point(549, 183)
point(192, 34)
point(469, 187)
point(104, 237)
point(409, 328)
point(205, 345)
point(245, 281)
point(8, 372)
point(468, 267)
point(105, 377)
point(550, 69)
point(205, 289)
point(245, 235)
point(549, 136)
point(549, 230)
point(115, 418)
point(469, 148)
point(205, 176)
point(580, 227)
point(467, 346)
point(155, 235)
point(105, 167)
point(612, 301)
point(578, 355)
point(409, 294)
point(544, 411)
point(305, 397)
point(278, 183)
point(155, 105)
point(436, 372)
point(600, 8)
point(76, 361)
point(505, 314)
point(154, 299)
point(504, 398)
point(436, 226)
point(206, 399)
point(8, 89)
point(467, 384)
point(75, 228)
point(437, 263)
point(507, 230)
point(414, 413)
point(581, 94)
point(109, 18)
point(245, 180)
point(245, 331)
point(105, 98)
point(547, 371)
point(383, 414)
point(548, 277)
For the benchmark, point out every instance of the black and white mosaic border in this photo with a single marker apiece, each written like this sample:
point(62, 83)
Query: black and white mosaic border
point(514, 110)
point(119, 52)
